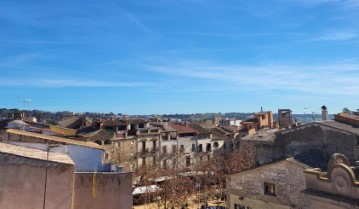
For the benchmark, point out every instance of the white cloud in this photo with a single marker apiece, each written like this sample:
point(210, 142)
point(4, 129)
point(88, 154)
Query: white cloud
point(341, 36)
point(58, 83)
point(314, 79)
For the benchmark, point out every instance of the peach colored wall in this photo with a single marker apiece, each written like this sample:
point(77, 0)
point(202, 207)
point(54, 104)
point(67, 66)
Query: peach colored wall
point(103, 190)
point(22, 186)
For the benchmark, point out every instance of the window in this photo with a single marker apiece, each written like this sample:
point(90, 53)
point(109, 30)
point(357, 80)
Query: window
point(215, 144)
point(200, 148)
point(108, 141)
point(208, 147)
point(143, 145)
point(154, 144)
point(122, 128)
point(141, 125)
point(269, 189)
point(193, 147)
point(143, 161)
point(182, 148)
point(188, 161)
point(238, 206)
point(164, 149)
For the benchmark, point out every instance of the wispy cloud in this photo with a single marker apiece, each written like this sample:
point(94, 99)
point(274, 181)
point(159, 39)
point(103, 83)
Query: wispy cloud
point(340, 36)
point(12, 60)
point(317, 79)
point(133, 18)
point(313, 2)
point(59, 83)
point(346, 3)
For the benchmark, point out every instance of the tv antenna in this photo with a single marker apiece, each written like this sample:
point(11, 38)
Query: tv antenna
point(25, 102)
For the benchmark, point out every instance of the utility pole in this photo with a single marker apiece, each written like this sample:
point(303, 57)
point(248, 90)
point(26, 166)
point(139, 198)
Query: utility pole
point(46, 171)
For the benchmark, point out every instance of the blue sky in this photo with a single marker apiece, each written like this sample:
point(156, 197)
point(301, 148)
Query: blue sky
point(188, 56)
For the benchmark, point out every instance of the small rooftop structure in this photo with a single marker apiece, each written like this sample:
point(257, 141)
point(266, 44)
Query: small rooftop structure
point(339, 186)
point(145, 189)
point(10, 149)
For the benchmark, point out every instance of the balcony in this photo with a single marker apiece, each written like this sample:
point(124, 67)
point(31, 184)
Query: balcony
point(144, 151)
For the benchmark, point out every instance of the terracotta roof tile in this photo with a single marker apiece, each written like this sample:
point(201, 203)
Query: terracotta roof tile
point(54, 138)
point(181, 128)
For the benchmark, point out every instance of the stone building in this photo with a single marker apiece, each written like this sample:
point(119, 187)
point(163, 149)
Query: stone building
point(260, 120)
point(134, 143)
point(285, 118)
point(320, 138)
point(276, 185)
point(326, 137)
point(338, 188)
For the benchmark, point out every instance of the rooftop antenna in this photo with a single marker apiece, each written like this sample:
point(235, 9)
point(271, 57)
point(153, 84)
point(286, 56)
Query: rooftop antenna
point(25, 102)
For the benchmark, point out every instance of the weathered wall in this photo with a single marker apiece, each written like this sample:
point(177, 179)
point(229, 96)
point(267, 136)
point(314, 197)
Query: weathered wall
point(288, 178)
point(22, 186)
point(264, 151)
point(253, 203)
point(318, 202)
point(318, 139)
point(103, 191)
point(126, 153)
point(86, 159)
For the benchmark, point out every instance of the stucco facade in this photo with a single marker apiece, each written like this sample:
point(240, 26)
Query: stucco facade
point(23, 176)
point(103, 191)
point(337, 188)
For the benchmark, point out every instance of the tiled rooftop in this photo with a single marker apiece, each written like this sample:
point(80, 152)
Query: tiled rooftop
point(54, 138)
point(199, 128)
point(181, 128)
point(341, 126)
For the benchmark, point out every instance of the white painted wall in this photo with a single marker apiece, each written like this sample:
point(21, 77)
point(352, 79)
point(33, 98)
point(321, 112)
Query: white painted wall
point(86, 159)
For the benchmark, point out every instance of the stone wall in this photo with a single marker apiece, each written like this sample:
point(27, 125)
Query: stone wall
point(288, 178)
point(317, 138)
point(264, 151)
point(103, 190)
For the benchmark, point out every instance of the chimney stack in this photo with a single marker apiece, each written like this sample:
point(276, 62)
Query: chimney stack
point(324, 113)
